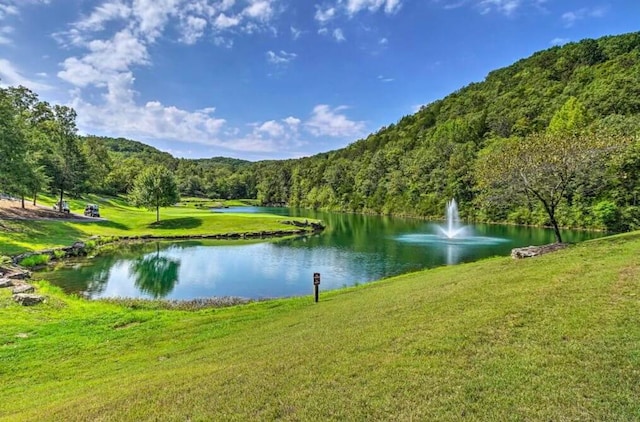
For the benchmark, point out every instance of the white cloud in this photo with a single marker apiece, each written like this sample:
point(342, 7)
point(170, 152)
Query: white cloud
point(559, 41)
point(570, 18)
point(506, 7)
point(4, 35)
point(330, 11)
point(119, 115)
point(293, 122)
point(280, 58)
point(382, 78)
point(338, 35)
point(193, 29)
point(12, 76)
point(102, 14)
point(324, 15)
point(8, 9)
point(325, 121)
point(295, 33)
point(224, 22)
point(356, 6)
point(259, 9)
point(272, 128)
point(102, 72)
point(223, 42)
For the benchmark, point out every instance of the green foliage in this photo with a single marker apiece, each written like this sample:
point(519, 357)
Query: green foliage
point(5, 260)
point(35, 260)
point(59, 254)
point(543, 169)
point(155, 187)
point(571, 119)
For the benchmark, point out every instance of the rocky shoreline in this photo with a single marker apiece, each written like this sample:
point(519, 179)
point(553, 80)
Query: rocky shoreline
point(15, 278)
point(83, 248)
point(531, 251)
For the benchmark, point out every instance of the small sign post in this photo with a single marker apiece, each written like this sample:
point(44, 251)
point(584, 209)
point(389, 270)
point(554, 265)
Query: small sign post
point(316, 284)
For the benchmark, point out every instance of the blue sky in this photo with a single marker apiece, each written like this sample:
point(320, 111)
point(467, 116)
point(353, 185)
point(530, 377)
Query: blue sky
point(273, 79)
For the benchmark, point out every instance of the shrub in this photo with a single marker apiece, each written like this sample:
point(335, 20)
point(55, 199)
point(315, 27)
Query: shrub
point(59, 254)
point(35, 260)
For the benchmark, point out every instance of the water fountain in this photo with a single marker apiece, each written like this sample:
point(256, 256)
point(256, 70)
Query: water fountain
point(453, 239)
point(452, 228)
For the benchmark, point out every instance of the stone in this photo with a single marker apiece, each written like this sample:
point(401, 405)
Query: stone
point(5, 282)
point(19, 275)
point(26, 299)
point(23, 288)
point(531, 251)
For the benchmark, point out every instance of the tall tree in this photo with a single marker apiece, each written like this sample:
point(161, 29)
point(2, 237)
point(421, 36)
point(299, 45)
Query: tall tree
point(65, 163)
point(155, 187)
point(541, 166)
point(12, 145)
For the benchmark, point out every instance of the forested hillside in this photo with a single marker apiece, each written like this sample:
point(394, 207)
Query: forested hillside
point(572, 111)
point(416, 165)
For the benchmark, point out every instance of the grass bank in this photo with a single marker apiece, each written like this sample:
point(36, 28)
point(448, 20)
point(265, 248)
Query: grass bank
point(122, 219)
point(555, 337)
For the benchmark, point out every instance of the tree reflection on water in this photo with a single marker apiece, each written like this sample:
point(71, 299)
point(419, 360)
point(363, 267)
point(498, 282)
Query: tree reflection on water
point(155, 274)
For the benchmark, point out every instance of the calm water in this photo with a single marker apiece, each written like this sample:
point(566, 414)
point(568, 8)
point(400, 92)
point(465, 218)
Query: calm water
point(353, 249)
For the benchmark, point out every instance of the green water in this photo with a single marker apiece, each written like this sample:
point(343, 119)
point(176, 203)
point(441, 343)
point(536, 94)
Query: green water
point(353, 249)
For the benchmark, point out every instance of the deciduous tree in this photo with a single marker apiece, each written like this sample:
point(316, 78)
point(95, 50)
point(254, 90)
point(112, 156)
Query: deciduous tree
point(541, 166)
point(155, 187)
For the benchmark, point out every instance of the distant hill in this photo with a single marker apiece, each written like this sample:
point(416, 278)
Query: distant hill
point(129, 148)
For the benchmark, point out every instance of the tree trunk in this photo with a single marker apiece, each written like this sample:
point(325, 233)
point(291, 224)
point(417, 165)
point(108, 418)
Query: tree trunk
point(551, 212)
point(157, 213)
point(556, 229)
point(35, 197)
point(22, 197)
point(61, 196)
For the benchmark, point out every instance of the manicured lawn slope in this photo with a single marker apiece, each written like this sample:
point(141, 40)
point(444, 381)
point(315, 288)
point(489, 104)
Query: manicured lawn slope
point(125, 220)
point(551, 338)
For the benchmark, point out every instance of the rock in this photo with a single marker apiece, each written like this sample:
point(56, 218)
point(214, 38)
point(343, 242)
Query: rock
point(19, 275)
point(531, 251)
point(23, 288)
point(5, 282)
point(28, 299)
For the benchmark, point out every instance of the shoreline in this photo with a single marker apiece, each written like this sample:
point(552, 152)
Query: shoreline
point(81, 248)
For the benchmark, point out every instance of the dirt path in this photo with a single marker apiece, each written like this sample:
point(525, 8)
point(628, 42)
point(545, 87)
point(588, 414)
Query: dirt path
point(12, 210)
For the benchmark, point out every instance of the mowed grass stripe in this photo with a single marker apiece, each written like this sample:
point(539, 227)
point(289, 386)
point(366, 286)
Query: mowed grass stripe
point(551, 338)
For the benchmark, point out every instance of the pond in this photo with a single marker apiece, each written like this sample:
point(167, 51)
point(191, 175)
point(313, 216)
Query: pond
point(353, 249)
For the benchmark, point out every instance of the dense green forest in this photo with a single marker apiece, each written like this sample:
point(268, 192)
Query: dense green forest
point(585, 91)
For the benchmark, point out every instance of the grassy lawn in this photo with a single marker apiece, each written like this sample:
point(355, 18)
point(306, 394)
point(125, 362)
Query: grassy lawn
point(125, 220)
point(550, 338)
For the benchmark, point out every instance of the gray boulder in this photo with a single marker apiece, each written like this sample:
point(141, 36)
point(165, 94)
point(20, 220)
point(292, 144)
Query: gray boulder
point(26, 299)
point(23, 288)
point(5, 282)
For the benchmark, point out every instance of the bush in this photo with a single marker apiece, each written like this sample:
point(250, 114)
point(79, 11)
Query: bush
point(607, 214)
point(35, 260)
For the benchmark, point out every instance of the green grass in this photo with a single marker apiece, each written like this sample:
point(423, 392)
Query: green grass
point(35, 260)
point(550, 338)
point(125, 220)
point(215, 203)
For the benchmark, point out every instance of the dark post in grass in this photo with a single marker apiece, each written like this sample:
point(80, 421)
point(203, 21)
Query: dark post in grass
point(316, 283)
